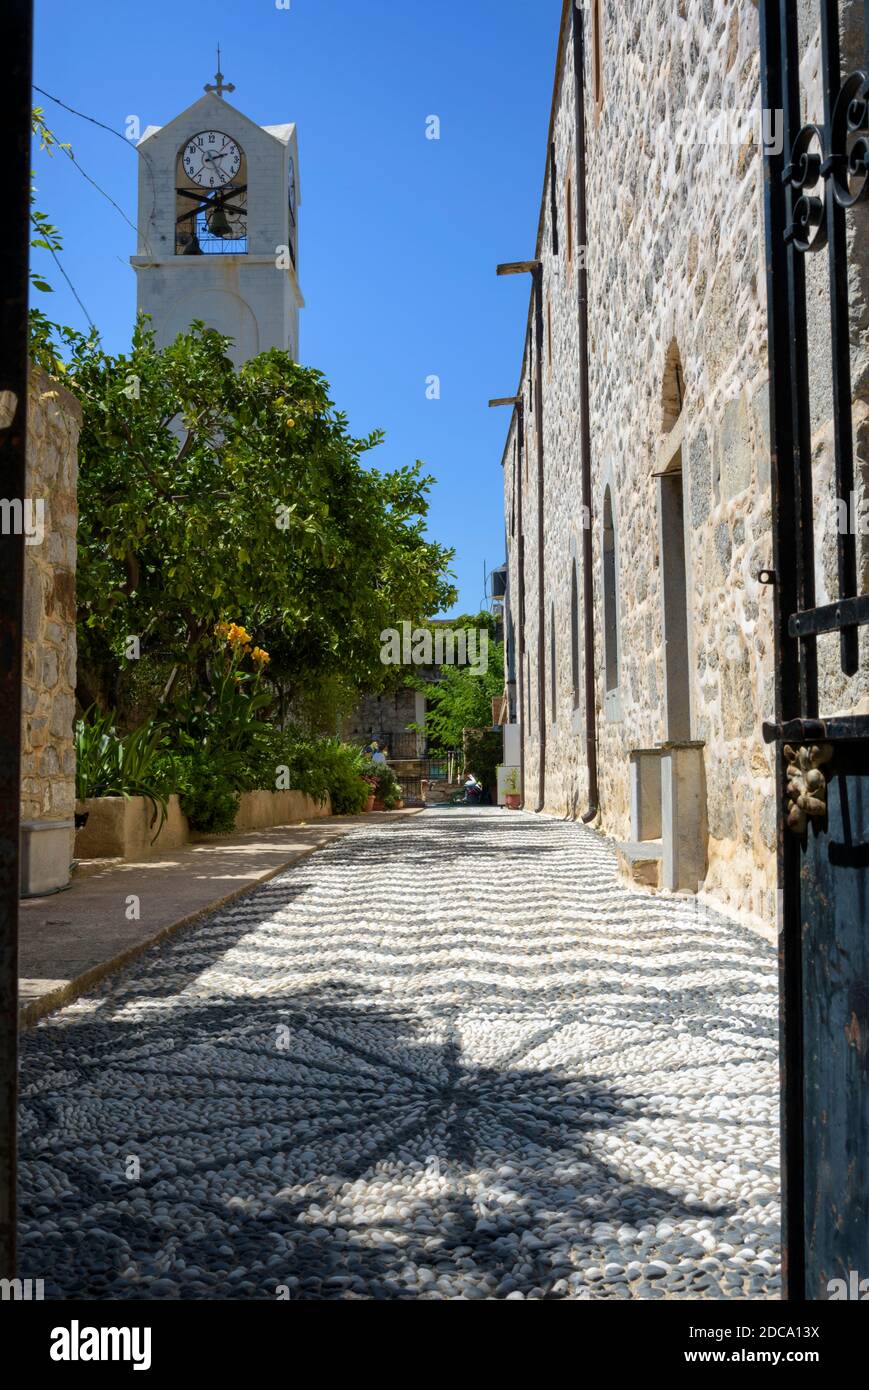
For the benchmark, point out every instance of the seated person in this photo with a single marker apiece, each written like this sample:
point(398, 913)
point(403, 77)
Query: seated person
point(473, 788)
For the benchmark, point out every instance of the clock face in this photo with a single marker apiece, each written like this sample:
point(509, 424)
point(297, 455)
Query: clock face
point(292, 187)
point(211, 159)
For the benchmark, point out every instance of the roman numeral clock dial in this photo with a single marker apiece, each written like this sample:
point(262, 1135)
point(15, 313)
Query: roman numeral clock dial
point(211, 159)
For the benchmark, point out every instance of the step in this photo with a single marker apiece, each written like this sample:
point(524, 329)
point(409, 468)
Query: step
point(640, 861)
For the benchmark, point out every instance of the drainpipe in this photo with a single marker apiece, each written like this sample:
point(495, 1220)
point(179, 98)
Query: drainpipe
point(585, 425)
point(518, 404)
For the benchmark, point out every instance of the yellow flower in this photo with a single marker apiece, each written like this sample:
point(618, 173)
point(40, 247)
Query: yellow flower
point(222, 630)
point(238, 636)
point(261, 657)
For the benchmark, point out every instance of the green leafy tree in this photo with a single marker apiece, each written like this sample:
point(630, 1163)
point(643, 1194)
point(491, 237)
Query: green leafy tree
point(210, 494)
point(462, 697)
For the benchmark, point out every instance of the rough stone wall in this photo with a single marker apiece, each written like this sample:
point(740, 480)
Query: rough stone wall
point(675, 266)
point(676, 258)
point(48, 694)
point(389, 714)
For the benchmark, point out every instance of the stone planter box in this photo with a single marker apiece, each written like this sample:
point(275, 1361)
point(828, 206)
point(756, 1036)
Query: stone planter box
point(120, 827)
point(46, 854)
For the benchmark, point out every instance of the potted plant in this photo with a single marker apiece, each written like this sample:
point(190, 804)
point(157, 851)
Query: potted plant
point(370, 780)
point(388, 790)
point(512, 795)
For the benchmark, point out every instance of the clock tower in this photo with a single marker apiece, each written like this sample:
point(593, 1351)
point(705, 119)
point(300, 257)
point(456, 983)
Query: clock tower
point(218, 227)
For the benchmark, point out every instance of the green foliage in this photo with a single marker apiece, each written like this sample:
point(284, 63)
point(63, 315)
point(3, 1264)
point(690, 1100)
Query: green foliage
point(387, 788)
point(45, 234)
point(256, 501)
point(210, 794)
point(462, 699)
point(221, 744)
point(328, 766)
point(110, 765)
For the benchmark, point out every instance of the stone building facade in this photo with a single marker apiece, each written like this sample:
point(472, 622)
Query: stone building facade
point(678, 422)
point(49, 657)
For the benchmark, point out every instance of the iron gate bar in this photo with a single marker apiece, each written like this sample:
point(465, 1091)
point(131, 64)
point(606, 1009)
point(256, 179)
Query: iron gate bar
point(840, 728)
point(16, 42)
point(837, 250)
point(784, 483)
point(845, 616)
point(797, 221)
point(797, 347)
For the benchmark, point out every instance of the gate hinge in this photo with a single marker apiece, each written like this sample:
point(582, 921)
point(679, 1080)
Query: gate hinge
point(807, 785)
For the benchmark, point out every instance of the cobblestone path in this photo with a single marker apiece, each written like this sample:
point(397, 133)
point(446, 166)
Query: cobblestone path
point(446, 1057)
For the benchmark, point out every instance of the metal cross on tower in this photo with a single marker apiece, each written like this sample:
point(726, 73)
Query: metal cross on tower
point(219, 86)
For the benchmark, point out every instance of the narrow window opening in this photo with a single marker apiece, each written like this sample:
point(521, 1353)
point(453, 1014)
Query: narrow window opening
point(549, 331)
point(673, 392)
point(553, 198)
point(552, 683)
point(574, 635)
point(597, 53)
point(610, 599)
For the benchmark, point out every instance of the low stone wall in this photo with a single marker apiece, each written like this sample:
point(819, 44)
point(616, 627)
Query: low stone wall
point(123, 827)
point(259, 810)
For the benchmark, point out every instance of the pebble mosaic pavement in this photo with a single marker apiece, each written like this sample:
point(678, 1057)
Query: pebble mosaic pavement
point(448, 1057)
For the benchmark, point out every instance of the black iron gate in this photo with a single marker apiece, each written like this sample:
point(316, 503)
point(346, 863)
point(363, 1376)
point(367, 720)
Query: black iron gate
point(814, 178)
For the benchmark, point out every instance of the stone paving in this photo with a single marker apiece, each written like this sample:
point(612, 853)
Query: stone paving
point(451, 1057)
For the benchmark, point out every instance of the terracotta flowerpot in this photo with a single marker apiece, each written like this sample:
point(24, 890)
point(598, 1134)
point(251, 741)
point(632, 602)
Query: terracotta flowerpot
point(369, 805)
point(513, 800)
point(378, 805)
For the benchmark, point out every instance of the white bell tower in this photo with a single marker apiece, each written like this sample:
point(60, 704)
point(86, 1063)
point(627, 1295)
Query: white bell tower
point(218, 227)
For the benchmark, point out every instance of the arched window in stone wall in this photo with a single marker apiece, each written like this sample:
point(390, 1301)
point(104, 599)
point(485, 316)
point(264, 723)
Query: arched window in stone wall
point(574, 633)
point(673, 393)
point(610, 595)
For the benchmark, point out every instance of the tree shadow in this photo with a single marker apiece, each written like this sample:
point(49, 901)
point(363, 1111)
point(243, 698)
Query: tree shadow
point(315, 1147)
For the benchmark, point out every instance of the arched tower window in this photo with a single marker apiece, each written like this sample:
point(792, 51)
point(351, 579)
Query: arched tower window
point(211, 196)
point(610, 596)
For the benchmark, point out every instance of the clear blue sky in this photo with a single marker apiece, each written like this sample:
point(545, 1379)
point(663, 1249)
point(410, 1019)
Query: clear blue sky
point(399, 235)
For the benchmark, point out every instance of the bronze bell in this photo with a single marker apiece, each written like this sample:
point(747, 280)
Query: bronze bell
point(218, 222)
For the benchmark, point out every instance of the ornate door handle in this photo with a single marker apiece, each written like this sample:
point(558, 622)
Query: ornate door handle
point(807, 785)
